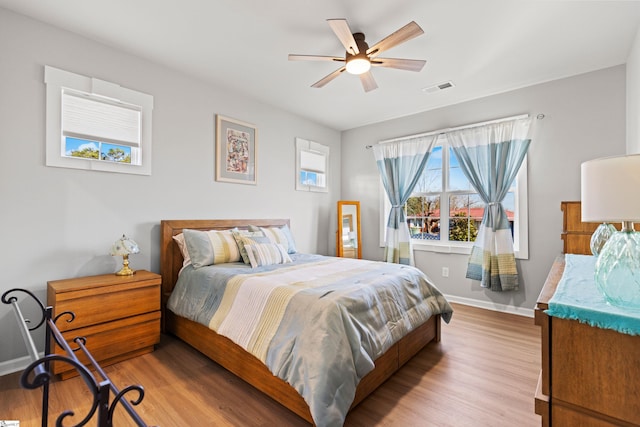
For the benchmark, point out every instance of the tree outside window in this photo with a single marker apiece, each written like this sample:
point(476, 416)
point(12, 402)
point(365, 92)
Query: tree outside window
point(444, 207)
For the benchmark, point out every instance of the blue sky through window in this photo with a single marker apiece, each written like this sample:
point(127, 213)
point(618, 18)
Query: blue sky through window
point(75, 144)
point(102, 149)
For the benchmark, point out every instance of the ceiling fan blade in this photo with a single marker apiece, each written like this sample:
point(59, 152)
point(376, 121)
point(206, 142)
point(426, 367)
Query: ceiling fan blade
point(368, 82)
point(342, 30)
point(323, 81)
point(401, 64)
point(402, 35)
point(293, 57)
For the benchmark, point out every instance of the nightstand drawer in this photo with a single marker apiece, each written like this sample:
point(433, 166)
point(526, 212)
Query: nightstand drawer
point(99, 299)
point(107, 304)
point(114, 341)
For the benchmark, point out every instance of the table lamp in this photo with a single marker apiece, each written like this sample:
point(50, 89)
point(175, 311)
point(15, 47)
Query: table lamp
point(610, 194)
point(123, 247)
point(600, 237)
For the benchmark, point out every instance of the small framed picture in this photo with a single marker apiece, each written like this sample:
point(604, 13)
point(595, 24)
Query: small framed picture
point(236, 151)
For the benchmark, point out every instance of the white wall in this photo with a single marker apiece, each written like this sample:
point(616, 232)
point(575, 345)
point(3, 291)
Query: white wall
point(584, 119)
point(633, 97)
point(60, 223)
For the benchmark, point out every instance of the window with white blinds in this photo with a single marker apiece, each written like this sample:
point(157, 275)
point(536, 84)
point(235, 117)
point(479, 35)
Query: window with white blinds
point(84, 117)
point(311, 166)
point(93, 124)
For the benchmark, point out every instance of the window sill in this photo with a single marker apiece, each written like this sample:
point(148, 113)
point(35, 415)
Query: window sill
point(442, 248)
point(453, 249)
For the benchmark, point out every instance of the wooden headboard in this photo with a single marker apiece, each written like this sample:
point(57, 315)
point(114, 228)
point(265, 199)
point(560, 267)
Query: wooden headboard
point(576, 235)
point(170, 256)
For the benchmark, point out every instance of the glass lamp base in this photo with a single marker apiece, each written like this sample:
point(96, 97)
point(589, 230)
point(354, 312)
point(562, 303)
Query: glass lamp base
point(617, 273)
point(600, 237)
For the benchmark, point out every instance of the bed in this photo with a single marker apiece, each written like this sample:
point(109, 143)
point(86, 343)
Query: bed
point(249, 367)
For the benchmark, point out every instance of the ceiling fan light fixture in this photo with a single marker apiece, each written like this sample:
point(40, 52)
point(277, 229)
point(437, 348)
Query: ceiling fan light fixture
point(359, 58)
point(358, 64)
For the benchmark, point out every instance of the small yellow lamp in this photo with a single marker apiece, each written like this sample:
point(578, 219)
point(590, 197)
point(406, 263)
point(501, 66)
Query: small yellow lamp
point(125, 246)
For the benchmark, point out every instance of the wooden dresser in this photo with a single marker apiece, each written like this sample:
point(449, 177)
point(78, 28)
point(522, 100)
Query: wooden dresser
point(118, 315)
point(590, 376)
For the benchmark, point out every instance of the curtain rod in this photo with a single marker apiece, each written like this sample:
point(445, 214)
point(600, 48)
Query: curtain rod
point(445, 130)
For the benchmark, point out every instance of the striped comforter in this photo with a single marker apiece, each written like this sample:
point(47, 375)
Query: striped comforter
point(317, 323)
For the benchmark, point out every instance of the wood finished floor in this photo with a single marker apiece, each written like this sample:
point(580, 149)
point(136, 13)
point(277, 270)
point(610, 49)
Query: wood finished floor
point(482, 373)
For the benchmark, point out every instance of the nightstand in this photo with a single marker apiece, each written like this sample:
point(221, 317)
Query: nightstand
point(589, 375)
point(118, 315)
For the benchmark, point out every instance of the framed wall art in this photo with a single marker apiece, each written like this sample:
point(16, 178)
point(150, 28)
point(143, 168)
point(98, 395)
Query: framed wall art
point(236, 151)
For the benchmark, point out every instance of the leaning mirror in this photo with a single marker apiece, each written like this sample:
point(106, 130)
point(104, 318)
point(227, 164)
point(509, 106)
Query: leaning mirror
point(348, 240)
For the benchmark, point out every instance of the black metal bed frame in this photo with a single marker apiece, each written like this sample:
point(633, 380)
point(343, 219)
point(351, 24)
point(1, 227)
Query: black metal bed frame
point(38, 373)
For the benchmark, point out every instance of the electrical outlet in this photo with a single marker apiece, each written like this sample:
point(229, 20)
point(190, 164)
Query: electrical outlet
point(445, 271)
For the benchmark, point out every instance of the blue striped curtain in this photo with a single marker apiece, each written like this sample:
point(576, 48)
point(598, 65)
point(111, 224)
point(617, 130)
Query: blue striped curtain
point(400, 164)
point(490, 156)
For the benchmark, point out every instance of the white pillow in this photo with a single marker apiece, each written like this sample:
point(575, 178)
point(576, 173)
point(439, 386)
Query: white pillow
point(179, 239)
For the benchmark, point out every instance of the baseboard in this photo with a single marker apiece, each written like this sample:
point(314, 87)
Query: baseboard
point(15, 365)
point(488, 305)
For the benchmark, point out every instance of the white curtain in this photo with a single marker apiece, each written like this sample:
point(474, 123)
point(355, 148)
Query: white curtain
point(400, 164)
point(490, 156)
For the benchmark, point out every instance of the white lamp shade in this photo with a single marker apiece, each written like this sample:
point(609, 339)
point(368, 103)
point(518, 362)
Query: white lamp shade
point(124, 246)
point(610, 188)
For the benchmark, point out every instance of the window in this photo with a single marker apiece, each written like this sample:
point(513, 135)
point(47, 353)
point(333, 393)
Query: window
point(97, 125)
point(444, 211)
point(99, 130)
point(312, 160)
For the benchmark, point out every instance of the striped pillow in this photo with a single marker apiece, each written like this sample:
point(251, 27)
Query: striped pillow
point(281, 235)
point(211, 247)
point(244, 237)
point(266, 254)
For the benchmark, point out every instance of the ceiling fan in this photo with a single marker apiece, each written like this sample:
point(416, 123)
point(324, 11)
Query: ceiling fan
point(359, 57)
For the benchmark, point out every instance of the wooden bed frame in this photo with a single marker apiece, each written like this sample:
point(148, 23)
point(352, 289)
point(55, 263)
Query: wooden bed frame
point(235, 359)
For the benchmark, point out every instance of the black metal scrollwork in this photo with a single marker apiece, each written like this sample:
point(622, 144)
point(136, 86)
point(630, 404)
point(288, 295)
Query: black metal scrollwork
point(87, 376)
point(121, 394)
point(37, 374)
point(9, 300)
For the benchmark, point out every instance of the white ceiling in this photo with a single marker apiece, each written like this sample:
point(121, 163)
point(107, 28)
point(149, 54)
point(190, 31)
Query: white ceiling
point(483, 46)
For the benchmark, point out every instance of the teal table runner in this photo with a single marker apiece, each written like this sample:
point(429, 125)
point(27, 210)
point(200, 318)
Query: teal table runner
point(577, 298)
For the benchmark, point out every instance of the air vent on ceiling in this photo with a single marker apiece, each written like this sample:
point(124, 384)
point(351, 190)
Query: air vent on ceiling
point(438, 87)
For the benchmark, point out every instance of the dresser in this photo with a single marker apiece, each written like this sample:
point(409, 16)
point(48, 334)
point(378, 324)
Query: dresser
point(118, 315)
point(589, 376)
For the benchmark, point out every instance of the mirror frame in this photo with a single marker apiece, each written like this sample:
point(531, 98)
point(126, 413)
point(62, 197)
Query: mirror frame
point(355, 224)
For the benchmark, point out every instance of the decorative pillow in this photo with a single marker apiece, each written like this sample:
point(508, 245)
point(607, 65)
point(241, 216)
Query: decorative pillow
point(245, 237)
point(211, 247)
point(179, 238)
point(266, 254)
point(281, 235)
